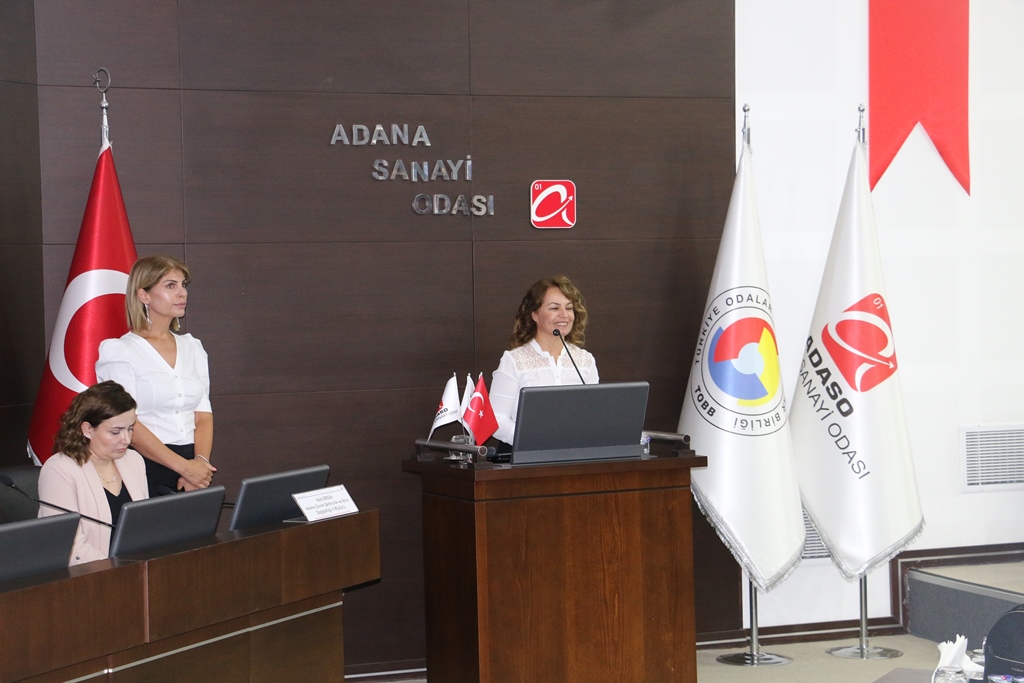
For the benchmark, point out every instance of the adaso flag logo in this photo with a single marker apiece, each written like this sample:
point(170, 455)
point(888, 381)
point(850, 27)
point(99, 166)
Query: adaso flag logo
point(861, 343)
point(553, 204)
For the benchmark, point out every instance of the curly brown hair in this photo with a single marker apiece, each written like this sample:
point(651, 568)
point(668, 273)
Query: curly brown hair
point(96, 404)
point(525, 329)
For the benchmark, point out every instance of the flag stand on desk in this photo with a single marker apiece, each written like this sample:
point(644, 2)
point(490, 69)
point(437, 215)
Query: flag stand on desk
point(754, 657)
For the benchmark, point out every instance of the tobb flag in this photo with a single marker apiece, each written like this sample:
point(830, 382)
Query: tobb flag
point(479, 416)
point(849, 429)
point(93, 305)
point(448, 410)
point(735, 409)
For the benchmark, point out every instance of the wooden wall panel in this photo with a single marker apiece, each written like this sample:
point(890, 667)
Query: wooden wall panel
point(259, 167)
point(414, 46)
point(660, 48)
point(136, 41)
point(20, 215)
point(21, 268)
point(332, 317)
point(145, 134)
point(18, 42)
point(639, 165)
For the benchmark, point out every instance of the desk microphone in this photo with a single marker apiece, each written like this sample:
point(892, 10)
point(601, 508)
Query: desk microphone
point(7, 481)
point(559, 335)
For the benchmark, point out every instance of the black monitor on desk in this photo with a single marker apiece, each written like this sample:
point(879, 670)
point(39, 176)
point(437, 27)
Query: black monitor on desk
point(34, 546)
point(580, 422)
point(267, 499)
point(146, 525)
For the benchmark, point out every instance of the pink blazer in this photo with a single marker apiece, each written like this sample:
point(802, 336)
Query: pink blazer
point(64, 482)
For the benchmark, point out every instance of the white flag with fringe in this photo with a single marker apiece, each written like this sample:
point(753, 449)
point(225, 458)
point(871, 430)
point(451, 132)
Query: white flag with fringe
point(735, 409)
point(849, 429)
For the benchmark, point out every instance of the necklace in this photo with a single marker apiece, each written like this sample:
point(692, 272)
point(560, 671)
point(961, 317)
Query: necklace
point(104, 480)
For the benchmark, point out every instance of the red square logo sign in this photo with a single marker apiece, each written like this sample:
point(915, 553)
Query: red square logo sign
point(553, 204)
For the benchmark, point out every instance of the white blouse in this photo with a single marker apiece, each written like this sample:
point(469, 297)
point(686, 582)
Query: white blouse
point(168, 397)
point(531, 366)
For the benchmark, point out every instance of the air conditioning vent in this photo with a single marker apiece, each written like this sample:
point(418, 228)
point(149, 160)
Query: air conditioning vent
point(992, 457)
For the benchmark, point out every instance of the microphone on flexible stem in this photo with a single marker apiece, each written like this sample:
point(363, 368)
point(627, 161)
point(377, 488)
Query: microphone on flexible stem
point(559, 335)
point(7, 481)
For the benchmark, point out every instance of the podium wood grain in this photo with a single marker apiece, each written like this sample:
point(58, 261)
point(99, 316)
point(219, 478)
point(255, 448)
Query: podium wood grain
point(578, 572)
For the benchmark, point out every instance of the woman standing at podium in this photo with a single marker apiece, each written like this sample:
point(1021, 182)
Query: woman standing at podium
point(92, 470)
point(167, 373)
point(552, 312)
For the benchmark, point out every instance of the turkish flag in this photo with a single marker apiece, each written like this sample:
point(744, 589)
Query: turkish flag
point(92, 308)
point(479, 416)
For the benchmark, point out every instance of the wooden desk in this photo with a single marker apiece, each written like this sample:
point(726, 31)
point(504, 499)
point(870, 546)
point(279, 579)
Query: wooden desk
point(577, 572)
point(243, 606)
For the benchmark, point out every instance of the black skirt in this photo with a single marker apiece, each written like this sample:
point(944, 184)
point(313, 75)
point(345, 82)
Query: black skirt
point(163, 480)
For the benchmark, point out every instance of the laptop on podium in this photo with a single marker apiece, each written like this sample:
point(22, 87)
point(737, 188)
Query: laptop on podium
point(580, 422)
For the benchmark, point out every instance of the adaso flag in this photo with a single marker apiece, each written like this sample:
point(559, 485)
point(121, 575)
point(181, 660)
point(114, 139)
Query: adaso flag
point(93, 305)
point(850, 433)
point(479, 416)
point(448, 410)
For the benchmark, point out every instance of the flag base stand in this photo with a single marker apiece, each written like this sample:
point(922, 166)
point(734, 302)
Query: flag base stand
point(862, 651)
point(858, 652)
point(754, 657)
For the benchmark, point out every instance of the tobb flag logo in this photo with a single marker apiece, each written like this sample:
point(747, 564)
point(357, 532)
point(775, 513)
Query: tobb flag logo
point(553, 204)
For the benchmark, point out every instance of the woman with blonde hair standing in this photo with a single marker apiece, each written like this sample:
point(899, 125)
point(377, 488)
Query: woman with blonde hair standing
point(168, 375)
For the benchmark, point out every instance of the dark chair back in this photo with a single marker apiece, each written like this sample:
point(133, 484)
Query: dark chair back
point(15, 507)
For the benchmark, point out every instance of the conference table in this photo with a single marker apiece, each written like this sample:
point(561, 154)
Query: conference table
point(578, 572)
point(255, 605)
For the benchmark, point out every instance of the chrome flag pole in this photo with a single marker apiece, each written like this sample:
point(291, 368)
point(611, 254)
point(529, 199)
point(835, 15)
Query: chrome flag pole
point(754, 657)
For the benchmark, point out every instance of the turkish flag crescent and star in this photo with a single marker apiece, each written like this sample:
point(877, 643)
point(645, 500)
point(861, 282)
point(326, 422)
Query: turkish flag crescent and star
point(918, 62)
point(92, 308)
point(479, 416)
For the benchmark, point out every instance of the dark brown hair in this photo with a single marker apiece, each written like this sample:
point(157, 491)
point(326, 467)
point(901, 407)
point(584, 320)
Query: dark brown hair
point(98, 403)
point(525, 328)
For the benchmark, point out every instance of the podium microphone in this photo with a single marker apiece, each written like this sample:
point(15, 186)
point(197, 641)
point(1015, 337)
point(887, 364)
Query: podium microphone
point(558, 334)
point(7, 481)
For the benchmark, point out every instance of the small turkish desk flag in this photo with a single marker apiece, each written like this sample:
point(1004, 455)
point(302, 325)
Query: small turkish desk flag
point(479, 416)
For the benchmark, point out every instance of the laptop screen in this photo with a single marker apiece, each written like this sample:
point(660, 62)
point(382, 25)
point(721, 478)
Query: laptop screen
point(145, 525)
point(267, 499)
point(580, 422)
point(34, 546)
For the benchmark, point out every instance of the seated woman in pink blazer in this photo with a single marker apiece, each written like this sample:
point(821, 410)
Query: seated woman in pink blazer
point(92, 470)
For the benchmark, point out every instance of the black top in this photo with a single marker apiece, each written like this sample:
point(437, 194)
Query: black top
point(116, 502)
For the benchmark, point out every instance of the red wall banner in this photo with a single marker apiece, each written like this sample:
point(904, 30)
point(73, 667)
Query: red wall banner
point(917, 71)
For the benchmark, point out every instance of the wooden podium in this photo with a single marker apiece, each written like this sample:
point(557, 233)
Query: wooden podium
point(576, 572)
point(243, 606)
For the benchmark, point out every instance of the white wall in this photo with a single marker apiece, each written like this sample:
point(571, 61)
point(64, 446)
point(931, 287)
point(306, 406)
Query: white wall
point(954, 264)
